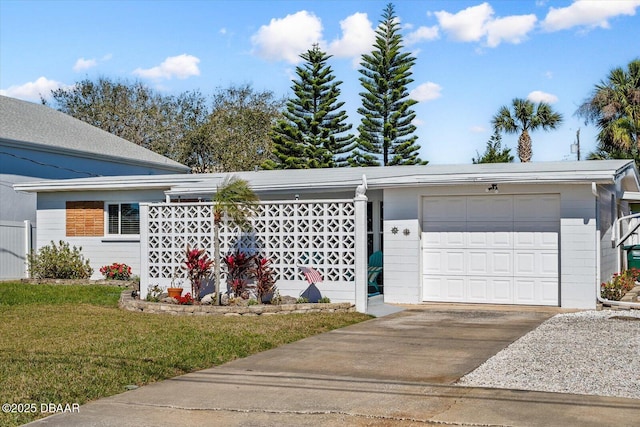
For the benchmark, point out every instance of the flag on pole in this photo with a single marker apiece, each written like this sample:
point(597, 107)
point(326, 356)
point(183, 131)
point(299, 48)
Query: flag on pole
point(311, 274)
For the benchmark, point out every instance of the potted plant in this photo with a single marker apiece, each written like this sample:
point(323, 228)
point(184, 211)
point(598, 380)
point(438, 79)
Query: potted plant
point(174, 291)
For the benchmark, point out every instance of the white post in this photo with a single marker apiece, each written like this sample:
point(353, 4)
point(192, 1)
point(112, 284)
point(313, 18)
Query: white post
point(361, 259)
point(27, 246)
point(144, 250)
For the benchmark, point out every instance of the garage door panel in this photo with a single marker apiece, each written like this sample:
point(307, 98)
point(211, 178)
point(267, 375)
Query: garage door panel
point(538, 291)
point(444, 209)
point(535, 240)
point(535, 264)
point(491, 209)
point(444, 263)
point(536, 208)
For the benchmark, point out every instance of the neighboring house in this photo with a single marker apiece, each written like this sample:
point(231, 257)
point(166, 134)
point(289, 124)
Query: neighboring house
point(519, 233)
point(38, 142)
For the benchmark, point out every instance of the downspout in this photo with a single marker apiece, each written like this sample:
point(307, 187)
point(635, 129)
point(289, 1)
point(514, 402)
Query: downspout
point(594, 190)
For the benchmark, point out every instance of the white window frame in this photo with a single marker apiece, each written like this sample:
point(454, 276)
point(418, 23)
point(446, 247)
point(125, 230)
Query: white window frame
point(107, 222)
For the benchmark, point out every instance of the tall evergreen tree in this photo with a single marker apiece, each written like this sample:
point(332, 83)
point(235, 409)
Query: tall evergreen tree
point(386, 129)
point(312, 133)
point(494, 153)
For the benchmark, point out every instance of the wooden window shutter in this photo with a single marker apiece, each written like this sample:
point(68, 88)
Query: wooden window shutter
point(85, 218)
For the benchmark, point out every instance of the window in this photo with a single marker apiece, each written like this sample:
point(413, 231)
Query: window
point(124, 218)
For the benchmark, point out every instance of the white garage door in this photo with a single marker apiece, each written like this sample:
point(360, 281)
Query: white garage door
point(497, 249)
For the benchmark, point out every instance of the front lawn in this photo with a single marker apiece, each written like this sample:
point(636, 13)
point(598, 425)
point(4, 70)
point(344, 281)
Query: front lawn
point(71, 344)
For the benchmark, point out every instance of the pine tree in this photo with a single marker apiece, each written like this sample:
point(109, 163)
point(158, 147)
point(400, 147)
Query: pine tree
point(312, 134)
point(386, 129)
point(494, 153)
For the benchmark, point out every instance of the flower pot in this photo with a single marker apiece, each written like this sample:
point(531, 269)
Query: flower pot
point(174, 292)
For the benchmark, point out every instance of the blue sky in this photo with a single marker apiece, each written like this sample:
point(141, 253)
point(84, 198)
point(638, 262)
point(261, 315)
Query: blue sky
point(471, 57)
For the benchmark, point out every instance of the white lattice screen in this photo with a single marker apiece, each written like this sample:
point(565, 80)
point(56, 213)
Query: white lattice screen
point(291, 233)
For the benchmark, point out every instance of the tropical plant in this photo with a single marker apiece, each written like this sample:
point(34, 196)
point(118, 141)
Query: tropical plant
point(116, 271)
point(311, 134)
point(238, 266)
point(386, 129)
point(525, 117)
point(198, 266)
point(494, 153)
point(614, 107)
point(59, 261)
point(235, 201)
point(265, 282)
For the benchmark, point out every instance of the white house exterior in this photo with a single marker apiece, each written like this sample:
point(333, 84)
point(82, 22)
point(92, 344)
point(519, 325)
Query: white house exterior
point(523, 234)
point(38, 142)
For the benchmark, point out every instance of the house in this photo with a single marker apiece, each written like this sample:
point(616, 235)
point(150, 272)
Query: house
point(38, 142)
point(518, 233)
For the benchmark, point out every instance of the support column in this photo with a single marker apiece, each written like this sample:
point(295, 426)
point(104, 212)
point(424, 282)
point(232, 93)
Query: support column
point(144, 250)
point(361, 259)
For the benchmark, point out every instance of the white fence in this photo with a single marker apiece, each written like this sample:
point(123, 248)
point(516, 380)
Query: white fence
point(17, 238)
point(329, 235)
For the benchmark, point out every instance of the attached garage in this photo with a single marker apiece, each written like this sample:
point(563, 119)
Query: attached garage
point(500, 249)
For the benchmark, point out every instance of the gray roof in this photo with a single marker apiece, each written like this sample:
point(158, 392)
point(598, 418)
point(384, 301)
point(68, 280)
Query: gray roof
point(347, 179)
point(28, 125)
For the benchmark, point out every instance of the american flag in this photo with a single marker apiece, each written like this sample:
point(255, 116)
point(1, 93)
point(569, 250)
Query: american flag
point(311, 274)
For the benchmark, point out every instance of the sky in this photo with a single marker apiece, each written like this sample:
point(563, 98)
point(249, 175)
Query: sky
point(472, 57)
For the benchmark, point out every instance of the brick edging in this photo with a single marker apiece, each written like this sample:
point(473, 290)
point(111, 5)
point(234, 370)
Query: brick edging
point(128, 303)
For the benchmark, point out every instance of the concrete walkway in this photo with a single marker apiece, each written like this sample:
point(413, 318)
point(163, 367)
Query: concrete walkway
point(396, 370)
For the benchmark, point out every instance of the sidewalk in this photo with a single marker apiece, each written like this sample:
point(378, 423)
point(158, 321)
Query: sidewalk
point(396, 370)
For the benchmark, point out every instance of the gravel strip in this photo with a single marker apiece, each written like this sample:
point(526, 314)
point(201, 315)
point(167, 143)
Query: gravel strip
point(590, 352)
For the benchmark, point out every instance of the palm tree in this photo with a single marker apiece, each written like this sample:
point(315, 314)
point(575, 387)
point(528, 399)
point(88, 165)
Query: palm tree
point(526, 118)
point(236, 201)
point(614, 107)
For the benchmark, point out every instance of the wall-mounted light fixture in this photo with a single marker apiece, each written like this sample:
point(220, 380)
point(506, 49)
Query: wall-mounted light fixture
point(492, 187)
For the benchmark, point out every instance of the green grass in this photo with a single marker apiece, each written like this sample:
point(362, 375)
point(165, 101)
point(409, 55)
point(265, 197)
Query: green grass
point(71, 344)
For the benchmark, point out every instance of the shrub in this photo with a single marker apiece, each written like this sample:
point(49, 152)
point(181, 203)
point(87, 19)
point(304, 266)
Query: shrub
point(153, 293)
point(116, 271)
point(302, 300)
point(619, 284)
point(59, 262)
point(324, 300)
point(185, 299)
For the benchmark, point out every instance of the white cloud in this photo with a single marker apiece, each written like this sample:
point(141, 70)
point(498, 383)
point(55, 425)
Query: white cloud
point(180, 67)
point(84, 64)
point(422, 33)
point(286, 38)
point(476, 23)
point(357, 38)
point(548, 75)
point(478, 129)
point(511, 29)
point(588, 13)
point(539, 96)
point(426, 92)
point(31, 91)
point(468, 25)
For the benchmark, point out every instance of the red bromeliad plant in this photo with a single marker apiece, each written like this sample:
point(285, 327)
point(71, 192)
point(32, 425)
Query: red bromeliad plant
point(265, 282)
point(198, 266)
point(238, 268)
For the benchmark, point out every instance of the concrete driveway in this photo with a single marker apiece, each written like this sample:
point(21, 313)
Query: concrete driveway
point(393, 370)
